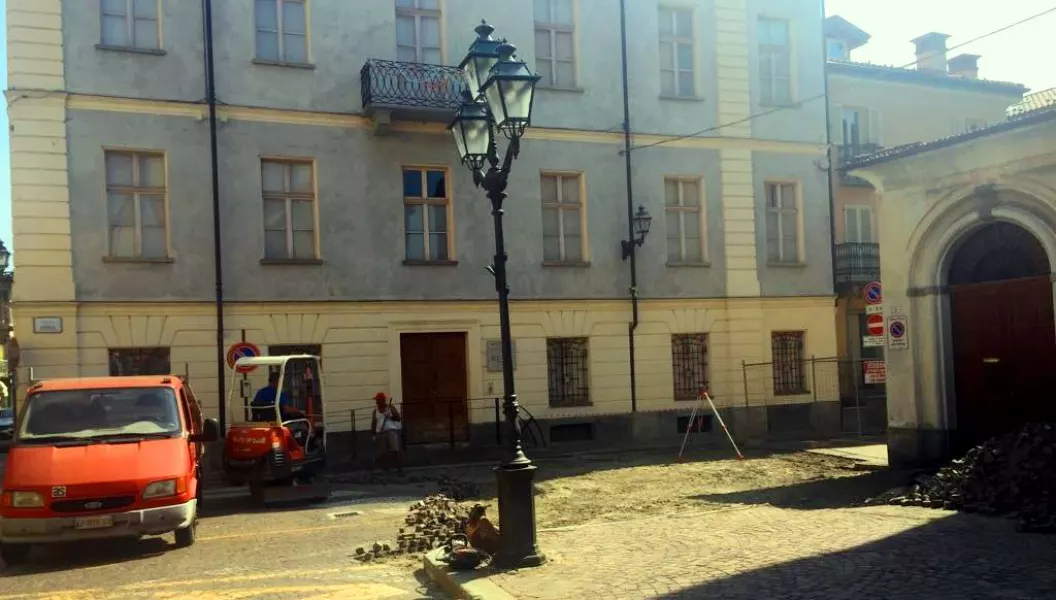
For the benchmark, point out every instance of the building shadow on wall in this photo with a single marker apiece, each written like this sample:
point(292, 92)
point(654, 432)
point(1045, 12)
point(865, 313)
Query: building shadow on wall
point(960, 557)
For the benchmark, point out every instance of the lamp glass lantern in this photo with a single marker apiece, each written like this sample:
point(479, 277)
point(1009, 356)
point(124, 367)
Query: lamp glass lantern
point(5, 257)
point(473, 134)
point(482, 56)
point(642, 222)
point(509, 92)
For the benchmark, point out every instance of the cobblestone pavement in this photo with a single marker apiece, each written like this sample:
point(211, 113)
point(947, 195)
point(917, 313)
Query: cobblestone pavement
point(763, 552)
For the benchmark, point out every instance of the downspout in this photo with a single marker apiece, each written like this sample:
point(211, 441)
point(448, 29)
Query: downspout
point(210, 98)
point(831, 158)
point(630, 203)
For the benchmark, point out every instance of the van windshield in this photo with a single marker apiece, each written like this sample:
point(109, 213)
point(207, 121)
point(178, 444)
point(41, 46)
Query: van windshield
point(101, 414)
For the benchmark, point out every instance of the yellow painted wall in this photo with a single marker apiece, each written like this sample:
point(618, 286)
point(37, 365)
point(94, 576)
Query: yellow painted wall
point(914, 112)
point(361, 344)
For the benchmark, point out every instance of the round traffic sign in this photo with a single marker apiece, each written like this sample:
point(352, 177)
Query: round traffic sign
point(875, 323)
point(242, 350)
point(873, 293)
point(898, 329)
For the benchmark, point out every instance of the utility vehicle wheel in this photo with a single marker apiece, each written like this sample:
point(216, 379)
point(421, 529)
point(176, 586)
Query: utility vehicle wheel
point(14, 554)
point(185, 537)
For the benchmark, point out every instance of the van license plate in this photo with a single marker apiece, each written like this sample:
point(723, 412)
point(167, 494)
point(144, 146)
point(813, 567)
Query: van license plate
point(100, 522)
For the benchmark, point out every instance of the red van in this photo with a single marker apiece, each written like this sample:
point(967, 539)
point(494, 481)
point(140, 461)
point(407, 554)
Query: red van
point(101, 458)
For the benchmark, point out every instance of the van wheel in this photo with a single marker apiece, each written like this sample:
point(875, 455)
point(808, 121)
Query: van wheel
point(185, 537)
point(14, 554)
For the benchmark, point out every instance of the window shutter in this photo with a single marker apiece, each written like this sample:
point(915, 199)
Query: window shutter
point(836, 123)
point(875, 128)
point(865, 225)
point(850, 224)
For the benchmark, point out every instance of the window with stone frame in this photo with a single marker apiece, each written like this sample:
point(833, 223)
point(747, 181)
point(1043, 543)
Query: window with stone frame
point(426, 214)
point(677, 52)
point(136, 199)
point(568, 372)
point(418, 31)
point(289, 209)
point(789, 362)
point(130, 24)
point(127, 362)
point(282, 31)
point(555, 53)
point(689, 363)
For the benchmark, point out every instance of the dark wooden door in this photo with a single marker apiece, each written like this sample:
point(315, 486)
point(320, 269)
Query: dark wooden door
point(435, 387)
point(1004, 347)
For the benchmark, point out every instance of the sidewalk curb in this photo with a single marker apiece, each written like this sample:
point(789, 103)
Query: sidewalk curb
point(461, 584)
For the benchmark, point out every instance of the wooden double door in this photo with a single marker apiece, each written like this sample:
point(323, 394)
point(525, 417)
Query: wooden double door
point(1004, 351)
point(435, 387)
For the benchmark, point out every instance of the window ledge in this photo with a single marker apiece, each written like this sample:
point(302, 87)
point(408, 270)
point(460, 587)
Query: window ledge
point(131, 49)
point(789, 104)
point(567, 264)
point(291, 261)
point(139, 259)
point(705, 263)
point(549, 88)
point(682, 98)
point(802, 392)
point(282, 63)
point(430, 263)
point(786, 265)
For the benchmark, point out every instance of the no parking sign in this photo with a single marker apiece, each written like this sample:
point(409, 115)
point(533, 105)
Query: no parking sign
point(242, 350)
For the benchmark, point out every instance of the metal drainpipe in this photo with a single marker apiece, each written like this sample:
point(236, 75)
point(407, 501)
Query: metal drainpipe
point(831, 158)
point(210, 98)
point(630, 203)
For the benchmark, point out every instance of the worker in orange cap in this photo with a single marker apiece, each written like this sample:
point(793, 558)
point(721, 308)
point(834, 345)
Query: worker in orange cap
point(385, 424)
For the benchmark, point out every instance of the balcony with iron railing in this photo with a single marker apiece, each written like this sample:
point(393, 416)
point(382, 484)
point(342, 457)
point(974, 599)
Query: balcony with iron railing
point(856, 264)
point(410, 91)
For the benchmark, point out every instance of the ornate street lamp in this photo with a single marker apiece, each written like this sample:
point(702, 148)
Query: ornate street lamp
point(642, 222)
point(499, 98)
point(5, 257)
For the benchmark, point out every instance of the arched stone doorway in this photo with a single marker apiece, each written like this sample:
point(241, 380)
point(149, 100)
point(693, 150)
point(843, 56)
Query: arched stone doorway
point(1002, 332)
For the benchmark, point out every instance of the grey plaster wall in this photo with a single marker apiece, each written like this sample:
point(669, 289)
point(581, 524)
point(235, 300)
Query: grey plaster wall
point(360, 224)
point(813, 277)
point(345, 33)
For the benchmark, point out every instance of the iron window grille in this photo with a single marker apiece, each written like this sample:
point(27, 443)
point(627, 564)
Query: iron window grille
point(789, 364)
point(568, 375)
point(689, 361)
point(127, 362)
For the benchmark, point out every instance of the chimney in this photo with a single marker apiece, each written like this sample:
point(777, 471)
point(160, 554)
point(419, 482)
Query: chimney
point(965, 65)
point(931, 52)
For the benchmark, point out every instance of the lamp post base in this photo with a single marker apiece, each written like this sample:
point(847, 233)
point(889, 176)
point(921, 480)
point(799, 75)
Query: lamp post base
point(518, 548)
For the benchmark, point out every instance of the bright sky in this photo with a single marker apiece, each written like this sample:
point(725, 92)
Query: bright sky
point(1019, 54)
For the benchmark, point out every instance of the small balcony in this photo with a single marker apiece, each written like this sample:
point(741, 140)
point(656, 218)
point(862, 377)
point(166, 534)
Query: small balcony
point(409, 91)
point(856, 264)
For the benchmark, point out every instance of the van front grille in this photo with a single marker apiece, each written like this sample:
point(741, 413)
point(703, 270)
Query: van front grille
point(91, 504)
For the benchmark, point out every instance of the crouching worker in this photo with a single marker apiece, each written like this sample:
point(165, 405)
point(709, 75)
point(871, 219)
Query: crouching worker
point(386, 423)
point(481, 533)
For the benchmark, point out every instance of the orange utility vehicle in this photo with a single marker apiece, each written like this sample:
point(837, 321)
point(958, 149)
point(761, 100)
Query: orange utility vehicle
point(276, 441)
point(103, 457)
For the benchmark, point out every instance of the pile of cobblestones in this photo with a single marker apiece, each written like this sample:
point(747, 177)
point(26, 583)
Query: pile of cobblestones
point(430, 523)
point(458, 489)
point(1013, 475)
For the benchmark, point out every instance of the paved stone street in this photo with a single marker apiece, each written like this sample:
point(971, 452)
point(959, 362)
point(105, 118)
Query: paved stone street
point(240, 553)
point(765, 552)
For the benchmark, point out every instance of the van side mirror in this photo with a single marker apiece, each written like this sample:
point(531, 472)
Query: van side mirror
point(210, 432)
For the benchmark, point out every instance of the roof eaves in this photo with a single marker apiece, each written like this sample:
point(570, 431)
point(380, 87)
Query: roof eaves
point(913, 76)
point(896, 152)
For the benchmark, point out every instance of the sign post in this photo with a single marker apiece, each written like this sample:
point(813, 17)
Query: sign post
point(898, 332)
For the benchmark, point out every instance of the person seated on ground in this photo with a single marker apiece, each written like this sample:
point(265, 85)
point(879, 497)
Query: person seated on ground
point(481, 533)
point(264, 400)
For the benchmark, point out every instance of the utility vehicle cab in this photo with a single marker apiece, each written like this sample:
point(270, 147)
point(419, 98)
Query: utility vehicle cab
point(103, 457)
point(276, 441)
